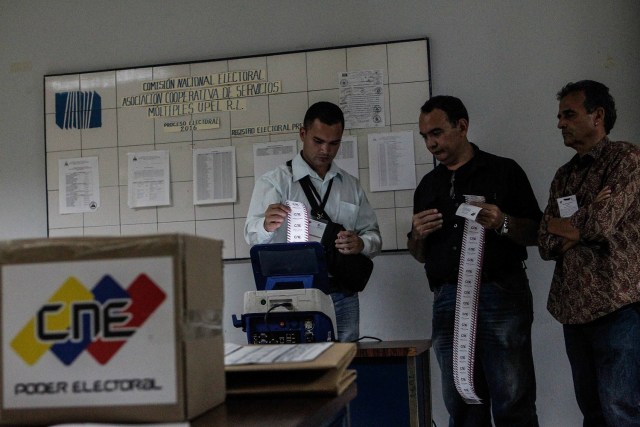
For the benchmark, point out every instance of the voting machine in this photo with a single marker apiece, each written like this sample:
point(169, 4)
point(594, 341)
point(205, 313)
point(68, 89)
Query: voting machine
point(291, 303)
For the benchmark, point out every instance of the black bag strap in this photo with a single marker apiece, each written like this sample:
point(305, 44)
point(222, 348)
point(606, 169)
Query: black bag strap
point(317, 210)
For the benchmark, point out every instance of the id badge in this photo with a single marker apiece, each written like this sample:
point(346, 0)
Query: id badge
point(316, 229)
point(567, 205)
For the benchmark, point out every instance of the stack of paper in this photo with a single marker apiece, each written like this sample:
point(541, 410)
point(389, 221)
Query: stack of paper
point(318, 368)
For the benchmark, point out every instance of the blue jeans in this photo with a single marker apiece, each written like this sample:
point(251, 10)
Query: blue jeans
point(347, 308)
point(503, 375)
point(605, 363)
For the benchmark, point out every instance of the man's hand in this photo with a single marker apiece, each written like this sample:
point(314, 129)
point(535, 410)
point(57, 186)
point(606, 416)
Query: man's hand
point(562, 227)
point(490, 217)
point(605, 193)
point(424, 223)
point(349, 243)
point(274, 216)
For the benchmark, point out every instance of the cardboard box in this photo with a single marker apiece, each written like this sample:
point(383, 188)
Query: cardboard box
point(110, 329)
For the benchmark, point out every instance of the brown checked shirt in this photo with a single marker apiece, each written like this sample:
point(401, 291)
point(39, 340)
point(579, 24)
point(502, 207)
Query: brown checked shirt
point(601, 273)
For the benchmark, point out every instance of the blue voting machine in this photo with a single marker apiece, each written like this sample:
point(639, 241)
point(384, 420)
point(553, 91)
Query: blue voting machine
point(291, 303)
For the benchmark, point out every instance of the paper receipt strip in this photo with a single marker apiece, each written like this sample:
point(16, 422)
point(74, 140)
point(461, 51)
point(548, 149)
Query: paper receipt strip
point(467, 293)
point(298, 222)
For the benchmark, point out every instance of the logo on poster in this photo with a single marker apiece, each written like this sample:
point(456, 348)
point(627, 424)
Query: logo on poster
point(100, 320)
point(78, 110)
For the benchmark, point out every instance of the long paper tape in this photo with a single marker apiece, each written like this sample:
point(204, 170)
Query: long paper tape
point(298, 222)
point(467, 293)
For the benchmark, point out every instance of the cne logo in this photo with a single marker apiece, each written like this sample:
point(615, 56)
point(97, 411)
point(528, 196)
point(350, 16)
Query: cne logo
point(100, 320)
point(78, 110)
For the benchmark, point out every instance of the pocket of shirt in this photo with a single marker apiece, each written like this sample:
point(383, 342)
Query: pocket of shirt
point(347, 215)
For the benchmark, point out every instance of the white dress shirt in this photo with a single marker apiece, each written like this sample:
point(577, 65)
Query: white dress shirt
point(347, 203)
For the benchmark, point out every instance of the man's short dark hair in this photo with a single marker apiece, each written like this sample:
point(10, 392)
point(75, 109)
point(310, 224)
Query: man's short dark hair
point(452, 106)
point(327, 112)
point(596, 95)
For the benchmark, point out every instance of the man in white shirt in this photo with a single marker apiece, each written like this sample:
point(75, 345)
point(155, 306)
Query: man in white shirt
point(345, 203)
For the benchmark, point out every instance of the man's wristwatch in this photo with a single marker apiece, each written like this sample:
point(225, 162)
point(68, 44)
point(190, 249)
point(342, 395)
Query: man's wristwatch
point(505, 225)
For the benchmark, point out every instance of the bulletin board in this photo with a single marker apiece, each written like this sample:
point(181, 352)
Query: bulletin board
point(106, 117)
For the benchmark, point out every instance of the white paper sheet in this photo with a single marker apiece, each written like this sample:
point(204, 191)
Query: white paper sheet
point(79, 184)
point(347, 157)
point(275, 353)
point(149, 183)
point(268, 155)
point(392, 161)
point(214, 175)
point(362, 98)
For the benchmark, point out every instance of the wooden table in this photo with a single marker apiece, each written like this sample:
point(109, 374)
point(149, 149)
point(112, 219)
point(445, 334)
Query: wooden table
point(280, 411)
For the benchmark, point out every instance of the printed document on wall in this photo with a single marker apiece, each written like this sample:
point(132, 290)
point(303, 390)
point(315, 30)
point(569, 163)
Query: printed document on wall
point(214, 175)
point(149, 183)
point(269, 155)
point(347, 157)
point(79, 185)
point(362, 98)
point(392, 161)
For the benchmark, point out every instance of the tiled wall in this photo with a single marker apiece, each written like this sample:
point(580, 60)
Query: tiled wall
point(307, 77)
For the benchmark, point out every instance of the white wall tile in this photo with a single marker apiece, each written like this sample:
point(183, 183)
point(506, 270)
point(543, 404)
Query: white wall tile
point(108, 213)
point(329, 95)
point(60, 139)
point(58, 220)
point(407, 61)
point(138, 229)
point(220, 229)
point(290, 69)
point(55, 84)
point(180, 161)
point(107, 230)
point(323, 67)
point(104, 136)
point(129, 216)
point(288, 108)
point(405, 100)
point(66, 232)
point(181, 208)
point(387, 223)
point(244, 154)
point(134, 127)
point(242, 248)
point(245, 190)
point(104, 83)
point(256, 114)
point(204, 212)
point(403, 225)
point(372, 57)
point(107, 165)
point(184, 227)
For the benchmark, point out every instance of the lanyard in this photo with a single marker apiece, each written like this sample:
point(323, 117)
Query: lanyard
point(317, 211)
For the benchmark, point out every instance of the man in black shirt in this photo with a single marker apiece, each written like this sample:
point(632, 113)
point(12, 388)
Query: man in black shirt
point(503, 377)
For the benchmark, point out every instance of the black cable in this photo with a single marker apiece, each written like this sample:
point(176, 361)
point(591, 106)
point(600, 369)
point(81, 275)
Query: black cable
point(282, 304)
point(367, 337)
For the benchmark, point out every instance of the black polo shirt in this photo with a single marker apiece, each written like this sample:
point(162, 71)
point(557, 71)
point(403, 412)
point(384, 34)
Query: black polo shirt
point(502, 182)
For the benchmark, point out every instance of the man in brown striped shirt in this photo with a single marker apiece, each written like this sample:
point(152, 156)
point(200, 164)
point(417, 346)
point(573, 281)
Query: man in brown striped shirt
point(591, 228)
